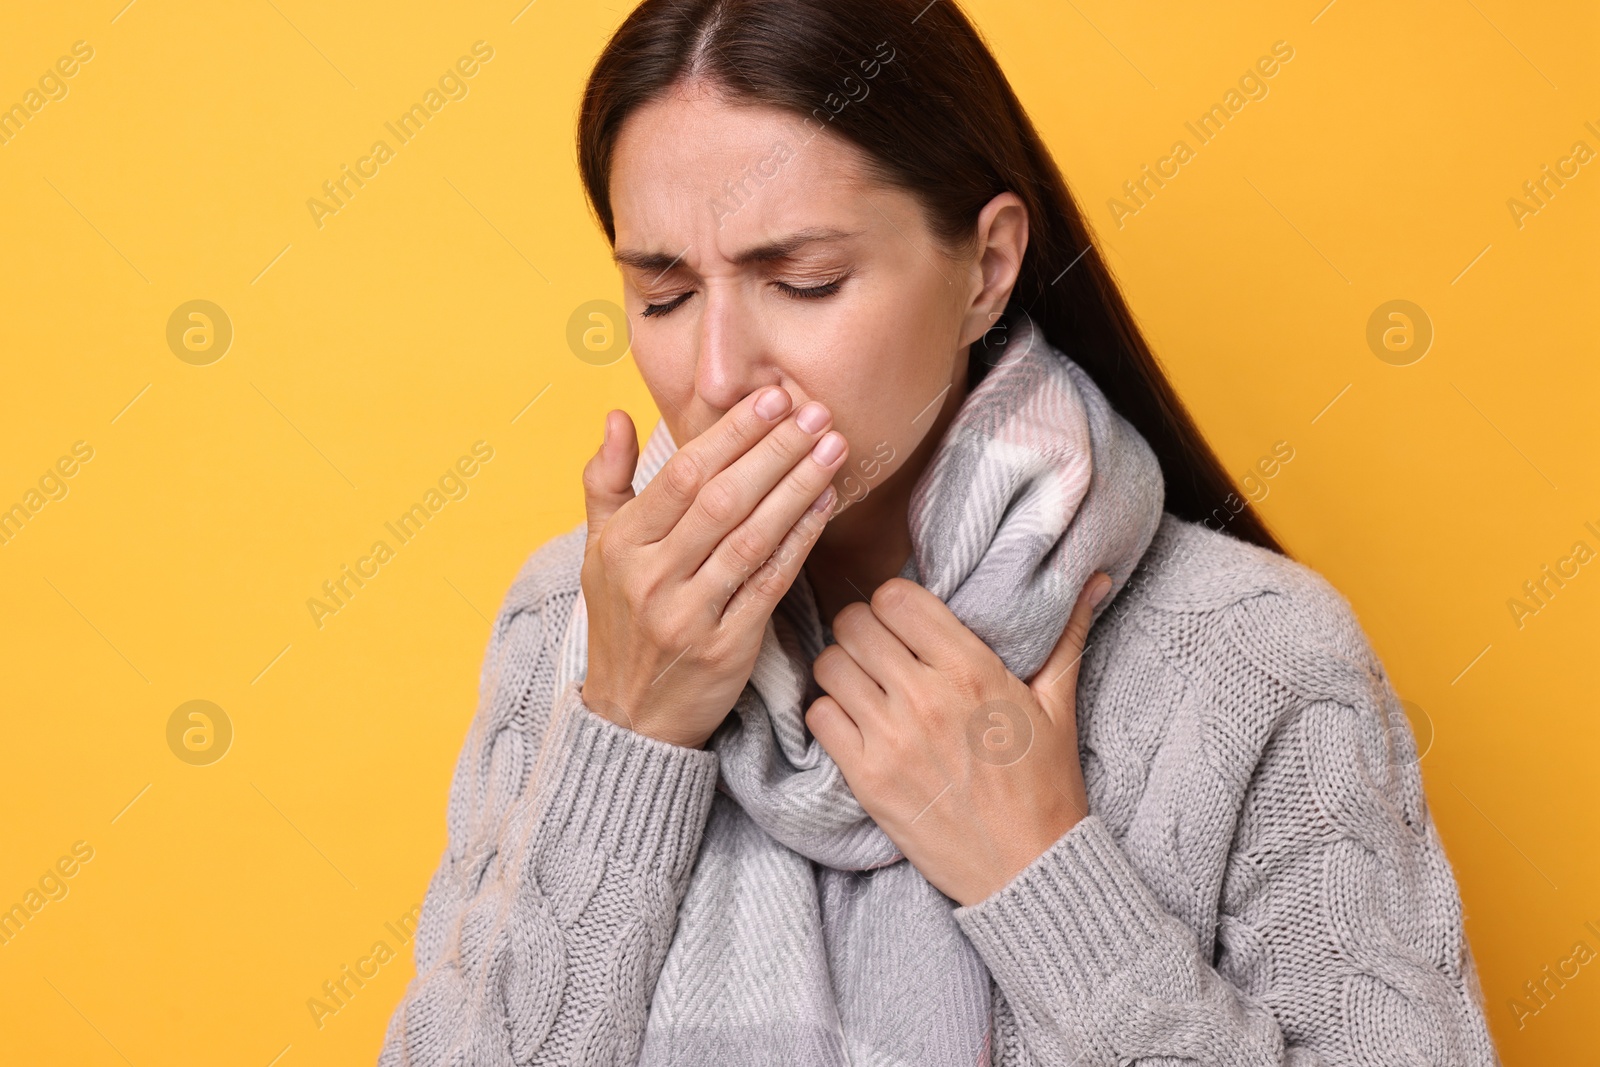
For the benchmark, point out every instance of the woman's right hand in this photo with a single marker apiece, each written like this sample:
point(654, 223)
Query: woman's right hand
point(680, 581)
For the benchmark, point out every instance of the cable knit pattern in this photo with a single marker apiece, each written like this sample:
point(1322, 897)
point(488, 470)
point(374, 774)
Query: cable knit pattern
point(1259, 882)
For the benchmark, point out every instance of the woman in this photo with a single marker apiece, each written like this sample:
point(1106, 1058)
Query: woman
point(787, 755)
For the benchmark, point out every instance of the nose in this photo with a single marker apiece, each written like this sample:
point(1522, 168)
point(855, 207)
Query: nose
point(733, 359)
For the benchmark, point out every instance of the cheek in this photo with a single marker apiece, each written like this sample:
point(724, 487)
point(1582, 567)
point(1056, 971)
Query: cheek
point(883, 431)
point(885, 374)
point(900, 401)
point(880, 364)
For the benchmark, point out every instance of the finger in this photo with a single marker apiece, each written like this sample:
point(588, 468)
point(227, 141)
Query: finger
point(836, 732)
point(760, 591)
point(1055, 685)
point(842, 677)
point(608, 476)
point(733, 495)
point(740, 551)
point(679, 481)
point(926, 625)
point(860, 632)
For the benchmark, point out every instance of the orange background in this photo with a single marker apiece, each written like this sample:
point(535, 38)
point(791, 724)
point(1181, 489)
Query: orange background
point(371, 352)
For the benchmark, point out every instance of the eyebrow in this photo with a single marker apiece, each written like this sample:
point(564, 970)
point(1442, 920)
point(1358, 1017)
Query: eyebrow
point(783, 248)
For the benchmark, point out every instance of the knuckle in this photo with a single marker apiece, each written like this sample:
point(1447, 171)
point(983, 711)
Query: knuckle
point(784, 554)
point(647, 591)
point(727, 437)
point(681, 475)
point(748, 547)
point(851, 616)
point(826, 662)
point(870, 777)
point(719, 501)
point(768, 579)
point(679, 624)
point(892, 596)
point(785, 445)
point(964, 682)
point(609, 547)
point(591, 477)
point(660, 627)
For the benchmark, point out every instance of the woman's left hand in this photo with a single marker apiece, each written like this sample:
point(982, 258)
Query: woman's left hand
point(971, 772)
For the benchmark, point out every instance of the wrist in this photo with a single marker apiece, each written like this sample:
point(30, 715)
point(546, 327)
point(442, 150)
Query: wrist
point(1038, 839)
point(643, 724)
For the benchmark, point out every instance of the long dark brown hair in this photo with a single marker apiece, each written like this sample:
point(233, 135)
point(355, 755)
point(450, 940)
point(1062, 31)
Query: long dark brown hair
point(913, 85)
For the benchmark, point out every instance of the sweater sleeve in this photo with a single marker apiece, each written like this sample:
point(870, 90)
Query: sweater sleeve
point(1339, 936)
point(570, 841)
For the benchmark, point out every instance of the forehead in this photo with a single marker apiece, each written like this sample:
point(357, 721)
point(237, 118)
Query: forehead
point(693, 169)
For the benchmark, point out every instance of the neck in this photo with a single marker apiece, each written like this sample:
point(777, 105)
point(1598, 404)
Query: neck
point(869, 542)
point(862, 547)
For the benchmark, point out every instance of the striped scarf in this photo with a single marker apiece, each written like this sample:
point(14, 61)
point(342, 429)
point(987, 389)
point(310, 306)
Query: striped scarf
point(805, 937)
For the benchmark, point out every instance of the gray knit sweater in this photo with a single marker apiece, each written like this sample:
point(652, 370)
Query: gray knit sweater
point(1259, 880)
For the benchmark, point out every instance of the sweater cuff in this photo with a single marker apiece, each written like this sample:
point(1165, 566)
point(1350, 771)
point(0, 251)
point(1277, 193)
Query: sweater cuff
point(1072, 918)
point(615, 792)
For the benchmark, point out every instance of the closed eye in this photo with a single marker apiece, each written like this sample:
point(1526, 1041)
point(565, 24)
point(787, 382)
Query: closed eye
point(812, 292)
point(664, 309)
point(798, 292)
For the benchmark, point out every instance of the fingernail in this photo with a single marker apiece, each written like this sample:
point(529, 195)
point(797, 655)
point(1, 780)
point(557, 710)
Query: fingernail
point(812, 417)
point(829, 448)
point(822, 502)
point(772, 403)
point(1102, 587)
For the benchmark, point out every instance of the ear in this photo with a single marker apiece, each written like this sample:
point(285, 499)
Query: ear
point(1001, 239)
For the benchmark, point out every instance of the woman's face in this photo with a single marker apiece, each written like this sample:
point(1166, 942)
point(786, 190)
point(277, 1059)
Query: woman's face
point(755, 253)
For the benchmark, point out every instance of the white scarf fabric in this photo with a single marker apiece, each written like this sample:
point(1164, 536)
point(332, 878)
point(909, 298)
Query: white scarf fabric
point(804, 936)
